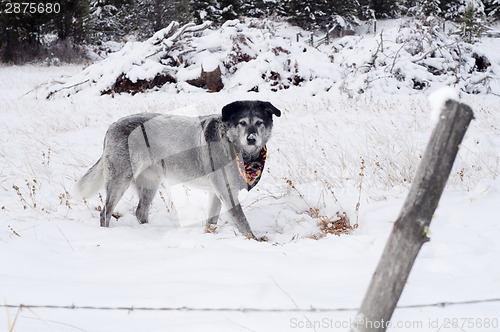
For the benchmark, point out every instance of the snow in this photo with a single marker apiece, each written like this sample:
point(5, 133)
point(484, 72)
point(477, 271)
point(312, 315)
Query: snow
point(53, 252)
point(437, 100)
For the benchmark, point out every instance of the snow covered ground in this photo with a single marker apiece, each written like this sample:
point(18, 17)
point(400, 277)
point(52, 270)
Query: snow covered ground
point(52, 251)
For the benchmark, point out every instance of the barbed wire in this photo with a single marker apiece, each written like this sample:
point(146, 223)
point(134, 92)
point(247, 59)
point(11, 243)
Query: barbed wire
point(257, 310)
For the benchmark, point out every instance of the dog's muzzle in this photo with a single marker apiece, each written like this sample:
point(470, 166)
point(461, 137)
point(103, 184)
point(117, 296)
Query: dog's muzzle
point(252, 139)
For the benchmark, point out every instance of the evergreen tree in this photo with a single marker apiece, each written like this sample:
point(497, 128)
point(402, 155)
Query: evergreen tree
point(382, 8)
point(309, 14)
point(204, 10)
point(70, 21)
point(430, 7)
point(473, 21)
point(217, 11)
point(21, 34)
point(313, 14)
point(262, 8)
point(347, 10)
point(492, 9)
point(452, 9)
point(424, 9)
point(109, 20)
point(149, 16)
point(230, 9)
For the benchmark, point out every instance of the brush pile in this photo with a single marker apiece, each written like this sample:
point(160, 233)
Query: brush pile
point(261, 55)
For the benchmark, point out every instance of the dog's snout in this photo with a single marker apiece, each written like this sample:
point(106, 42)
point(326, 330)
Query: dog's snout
point(252, 139)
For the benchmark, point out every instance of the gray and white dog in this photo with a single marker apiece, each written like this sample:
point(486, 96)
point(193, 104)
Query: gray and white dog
point(218, 153)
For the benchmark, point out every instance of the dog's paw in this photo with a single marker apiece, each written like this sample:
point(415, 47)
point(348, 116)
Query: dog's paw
point(211, 229)
point(251, 236)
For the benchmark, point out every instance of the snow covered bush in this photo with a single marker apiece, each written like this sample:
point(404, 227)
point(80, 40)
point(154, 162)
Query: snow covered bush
point(412, 57)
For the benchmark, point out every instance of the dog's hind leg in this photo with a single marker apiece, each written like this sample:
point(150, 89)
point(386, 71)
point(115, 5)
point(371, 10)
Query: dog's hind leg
point(214, 210)
point(116, 186)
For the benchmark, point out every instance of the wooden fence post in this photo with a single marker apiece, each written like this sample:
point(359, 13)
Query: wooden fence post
point(409, 231)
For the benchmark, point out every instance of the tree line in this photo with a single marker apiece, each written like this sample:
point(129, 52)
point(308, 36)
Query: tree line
point(31, 33)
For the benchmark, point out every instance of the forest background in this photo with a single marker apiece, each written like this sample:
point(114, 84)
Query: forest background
point(73, 28)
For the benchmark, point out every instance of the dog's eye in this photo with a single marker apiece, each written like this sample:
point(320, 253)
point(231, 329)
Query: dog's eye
point(259, 123)
point(242, 123)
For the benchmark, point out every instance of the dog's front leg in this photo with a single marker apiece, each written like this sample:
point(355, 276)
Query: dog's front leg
point(235, 212)
point(229, 197)
point(214, 210)
point(239, 218)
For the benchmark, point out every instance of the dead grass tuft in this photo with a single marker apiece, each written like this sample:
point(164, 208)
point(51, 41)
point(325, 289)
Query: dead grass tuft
point(20, 196)
point(361, 176)
point(338, 224)
point(64, 199)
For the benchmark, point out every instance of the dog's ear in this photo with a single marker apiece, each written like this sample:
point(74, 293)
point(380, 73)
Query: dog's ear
point(230, 109)
point(269, 108)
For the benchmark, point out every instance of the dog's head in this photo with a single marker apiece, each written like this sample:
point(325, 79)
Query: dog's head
point(249, 125)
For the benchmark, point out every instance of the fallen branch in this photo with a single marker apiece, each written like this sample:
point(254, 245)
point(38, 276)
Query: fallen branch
point(66, 87)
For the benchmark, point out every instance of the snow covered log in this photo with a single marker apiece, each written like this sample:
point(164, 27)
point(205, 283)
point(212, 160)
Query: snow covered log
point(411, 228)
point(211, 80)
point(124, 84)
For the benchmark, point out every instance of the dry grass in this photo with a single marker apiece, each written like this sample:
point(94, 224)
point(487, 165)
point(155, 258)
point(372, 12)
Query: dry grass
point(13, 231)
point(360, 186)
point(169, 204)
point(11, 325)
point(64, 199)
point(338, 224)
point(21, 197)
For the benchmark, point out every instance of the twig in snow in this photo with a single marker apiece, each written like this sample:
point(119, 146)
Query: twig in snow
point(487, 77)
point(291, 298)
point(379, 48)
point(66, 87)
point(65, 238)
point(396, 56)
point(239, 325)
point(430, 52)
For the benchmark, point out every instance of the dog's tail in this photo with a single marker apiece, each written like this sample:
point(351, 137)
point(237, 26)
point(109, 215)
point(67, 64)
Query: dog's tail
point(92, 181)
